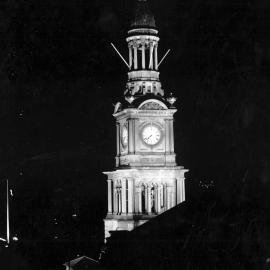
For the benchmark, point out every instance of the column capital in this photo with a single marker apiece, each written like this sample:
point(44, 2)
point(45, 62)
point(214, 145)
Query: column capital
point(135, 44)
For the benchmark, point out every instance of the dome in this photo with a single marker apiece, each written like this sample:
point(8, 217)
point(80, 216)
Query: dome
point(143, 17)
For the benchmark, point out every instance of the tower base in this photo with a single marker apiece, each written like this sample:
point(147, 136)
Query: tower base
point(137, 195)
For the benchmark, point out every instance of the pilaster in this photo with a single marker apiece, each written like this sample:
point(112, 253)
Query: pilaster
point(109, 181)
point(167, 136)
point(131, 134)
point(180, 190)
point(171, 136)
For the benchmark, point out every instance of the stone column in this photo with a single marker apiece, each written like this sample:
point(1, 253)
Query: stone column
point(169, 197)
point(119, 201)
point(165, 197)
point(124, 197)
point(174, 195)
point(183, 190)
point(146, 199)
point(151, 56)
point(149, 203)
point(156, 57)
point(178, 191)
point(115, 202)
point(156, 198)
point(135, 56)
point(136, 200)
point(130, 196)
point(143, 56)
point(140, 200)
point(109, 181)
point(130, 55)
point(159, 199)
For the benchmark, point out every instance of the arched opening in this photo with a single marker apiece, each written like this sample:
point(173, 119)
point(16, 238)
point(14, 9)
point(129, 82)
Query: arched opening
point(162, 197)
point(119, 203)
point(153, 199)
point(143, 199)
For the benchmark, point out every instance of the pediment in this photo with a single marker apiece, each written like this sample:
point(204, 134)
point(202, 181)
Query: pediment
point(152, 104)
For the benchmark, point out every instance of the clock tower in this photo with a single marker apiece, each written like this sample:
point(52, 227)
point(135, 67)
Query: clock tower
point(146, 181)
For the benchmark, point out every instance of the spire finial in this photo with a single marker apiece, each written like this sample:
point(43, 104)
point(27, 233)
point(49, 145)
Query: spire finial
point(143, 16)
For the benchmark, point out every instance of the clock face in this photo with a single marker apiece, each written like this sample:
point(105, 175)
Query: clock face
point(124, 136)
point(151, 134)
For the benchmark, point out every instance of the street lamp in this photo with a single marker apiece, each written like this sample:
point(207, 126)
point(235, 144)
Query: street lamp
point(14, 238)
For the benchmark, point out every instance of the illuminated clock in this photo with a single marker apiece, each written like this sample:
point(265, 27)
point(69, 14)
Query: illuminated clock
point(124, 136)
point(151, 134)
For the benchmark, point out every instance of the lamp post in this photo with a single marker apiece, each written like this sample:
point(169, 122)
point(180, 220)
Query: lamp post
point(14, 238)
point(8, 231)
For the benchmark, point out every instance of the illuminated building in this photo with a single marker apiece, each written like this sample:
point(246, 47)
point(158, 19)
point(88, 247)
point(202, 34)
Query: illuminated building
point(147, 180)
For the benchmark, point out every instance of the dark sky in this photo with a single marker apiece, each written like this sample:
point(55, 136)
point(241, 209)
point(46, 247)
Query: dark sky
point(59, 78)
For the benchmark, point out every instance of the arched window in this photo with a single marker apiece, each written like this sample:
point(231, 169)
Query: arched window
point(153, 199)
point(118, 197)
point(162, 197)
point(144, 199)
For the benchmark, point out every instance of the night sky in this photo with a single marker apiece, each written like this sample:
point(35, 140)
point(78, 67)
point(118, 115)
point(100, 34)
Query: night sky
point(59, 79)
